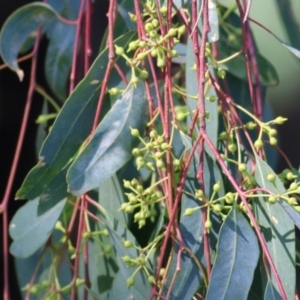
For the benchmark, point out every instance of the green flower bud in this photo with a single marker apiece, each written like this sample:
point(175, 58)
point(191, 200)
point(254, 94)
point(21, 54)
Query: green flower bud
point(113, 91)
point(86, 235)
point(199, 194)
point(153, 52)
point(273, 141)
point(136, 151)
point(258, 144)
point(133, 46)
point(172, 32)
point(280, 120)
point(129, 209)
point(242, 167)
point(151, 279)
point(161, 62)
point(130, 281)
point(160, 164)
point(232, 147)
point(155, 22)
point(272, 200)
point(140, 162)
point(126, 258)
point(212, 98)
point(290, 176)
point(223, 136)
point(271, 177)
point(124, 206)
point(126, 184)
point(127, 244)
point(216, 187)
point(297, 208)
point(148, 27)
point(150, 166)
point(164, 146)
point(153, 134)
point(162, 272)
point(292, 201)
point(141, 56)
point(163, 9)
point(272, 132)
point(181, 30)
point(119, 50)
point(293, 186)
point(189, 212)
point(142, 223)
point(134, 132)
point(176, 162)
point(229, 198)
point(221, 73)
point(142, 44)
point(218, 207)
point(250, 125)
point(208, 224)
point(144, 74)
point(79, 282)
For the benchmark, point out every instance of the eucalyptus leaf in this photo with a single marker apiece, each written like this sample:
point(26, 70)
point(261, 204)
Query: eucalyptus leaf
point(237, 253)
point(111, 144)
point(18, 27)
point(111, 198)
point(277, 228)
point(27, 226)
point(271, 293)
point(71, 128)
point(184, 284)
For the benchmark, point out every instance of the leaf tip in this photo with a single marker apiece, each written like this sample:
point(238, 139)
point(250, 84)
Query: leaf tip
point(20, 74)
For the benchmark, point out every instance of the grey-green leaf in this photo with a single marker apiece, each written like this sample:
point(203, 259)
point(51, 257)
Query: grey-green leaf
point(237, 253)
point(277, 228)
point(18, 27)
point(29, 231)
point(71, 128)
point(111, 197)
point(111, 145)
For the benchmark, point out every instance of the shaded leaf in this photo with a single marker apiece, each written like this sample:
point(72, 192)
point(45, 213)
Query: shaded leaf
point(185, 283)
point(18, 27)
point(111, 197)
point(271, 293)
point(59, 56)
point(237, 253)
point(72, 126)
point(111, 145)
point(27, 226)
point(277, 228)
point(55, 191)
point(26, 267)
point(118, 233)
point(102, 268)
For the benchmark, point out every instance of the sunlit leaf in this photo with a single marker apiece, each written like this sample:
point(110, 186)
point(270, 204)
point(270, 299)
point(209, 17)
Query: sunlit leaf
point(29, 231)
point(277, 228)
point(237, 253)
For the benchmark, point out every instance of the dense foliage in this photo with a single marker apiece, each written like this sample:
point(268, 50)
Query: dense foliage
point(153, 177)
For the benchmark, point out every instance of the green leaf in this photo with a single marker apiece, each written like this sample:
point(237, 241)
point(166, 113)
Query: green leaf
point(118, 233)
point(59, 56)
point(111, 197)
point(237, 253)
point(102, 268)
point(277, 228)
point(271, 293)
point(18, 27)
point(111, 145)
point(72, 126)
point(29, 231)
point(185, 283)
point(55, 191)
point(26, 268)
